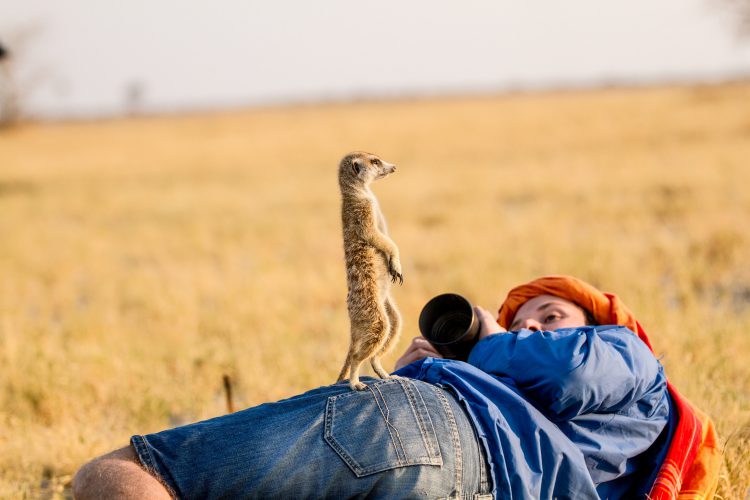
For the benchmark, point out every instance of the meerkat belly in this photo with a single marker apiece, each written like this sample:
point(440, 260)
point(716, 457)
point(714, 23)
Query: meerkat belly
point(367, 271)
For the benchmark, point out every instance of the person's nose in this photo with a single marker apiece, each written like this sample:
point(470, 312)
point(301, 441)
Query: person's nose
point(531, 324)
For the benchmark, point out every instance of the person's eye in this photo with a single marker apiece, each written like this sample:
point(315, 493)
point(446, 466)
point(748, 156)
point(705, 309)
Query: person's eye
point(550, 318)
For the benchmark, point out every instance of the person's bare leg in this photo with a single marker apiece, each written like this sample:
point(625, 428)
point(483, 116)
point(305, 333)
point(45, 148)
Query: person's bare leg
point(117, 475)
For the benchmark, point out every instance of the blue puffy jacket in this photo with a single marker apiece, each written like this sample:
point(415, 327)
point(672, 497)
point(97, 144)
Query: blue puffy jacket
point(571, 413)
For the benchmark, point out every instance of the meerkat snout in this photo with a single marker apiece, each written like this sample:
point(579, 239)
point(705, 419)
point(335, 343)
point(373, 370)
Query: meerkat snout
point(387, 170)
point(372, 263)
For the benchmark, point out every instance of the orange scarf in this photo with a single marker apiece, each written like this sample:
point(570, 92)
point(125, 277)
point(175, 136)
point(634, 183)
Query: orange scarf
point(691, 466)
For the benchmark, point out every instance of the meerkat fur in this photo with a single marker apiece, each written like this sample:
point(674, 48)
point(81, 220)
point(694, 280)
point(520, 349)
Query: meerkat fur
point(372, 264)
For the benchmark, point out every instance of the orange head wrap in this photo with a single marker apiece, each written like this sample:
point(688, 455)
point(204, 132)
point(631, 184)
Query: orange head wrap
point(605, 308)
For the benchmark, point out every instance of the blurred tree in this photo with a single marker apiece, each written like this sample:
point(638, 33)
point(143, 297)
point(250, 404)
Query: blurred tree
point(741, 9)
point(134, 93)
point(17, 82)
point(9, 106)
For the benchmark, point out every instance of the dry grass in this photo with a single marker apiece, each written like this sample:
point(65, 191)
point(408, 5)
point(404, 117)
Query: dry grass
point(142, 259)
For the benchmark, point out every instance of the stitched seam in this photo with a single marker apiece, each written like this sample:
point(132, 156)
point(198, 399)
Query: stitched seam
point(484, 482)
point(330, 410)
point(358, 469)
point(388, 425)
point(418, 413)
point(454, 438)
point(140, 444)
point(431, 443)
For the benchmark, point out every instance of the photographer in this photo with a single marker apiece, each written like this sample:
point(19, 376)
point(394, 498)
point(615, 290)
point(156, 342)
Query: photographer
point(570, 402)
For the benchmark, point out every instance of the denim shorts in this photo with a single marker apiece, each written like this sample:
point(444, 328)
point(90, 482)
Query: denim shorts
point(399, 438)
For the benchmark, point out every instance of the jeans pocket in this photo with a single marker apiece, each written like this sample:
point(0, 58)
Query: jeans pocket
point(383, 427)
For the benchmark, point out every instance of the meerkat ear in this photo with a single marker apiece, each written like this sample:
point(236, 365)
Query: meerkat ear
point(356, 166)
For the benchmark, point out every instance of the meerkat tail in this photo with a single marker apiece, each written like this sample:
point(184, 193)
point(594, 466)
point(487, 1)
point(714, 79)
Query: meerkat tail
point(394, 319)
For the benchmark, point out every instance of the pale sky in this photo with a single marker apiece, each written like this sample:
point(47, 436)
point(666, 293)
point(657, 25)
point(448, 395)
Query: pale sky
point(198, 55)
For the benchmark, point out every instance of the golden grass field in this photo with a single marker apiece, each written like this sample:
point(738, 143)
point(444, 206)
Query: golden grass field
point(141, 259)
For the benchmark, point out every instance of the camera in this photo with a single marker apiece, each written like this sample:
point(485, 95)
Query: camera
point(448, 321)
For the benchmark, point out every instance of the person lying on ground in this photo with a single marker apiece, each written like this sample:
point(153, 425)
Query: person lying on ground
point(570, 403)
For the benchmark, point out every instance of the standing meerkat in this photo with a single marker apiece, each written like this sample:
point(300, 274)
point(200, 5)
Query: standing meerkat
point(372, 263)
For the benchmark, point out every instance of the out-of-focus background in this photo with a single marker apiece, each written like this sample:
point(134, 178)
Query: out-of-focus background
point(169, 211)
point(84, 58)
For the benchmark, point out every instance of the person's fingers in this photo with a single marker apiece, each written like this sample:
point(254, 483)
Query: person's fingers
point(487, 323)
point(421, 353)
point(406, 358)
point(421, 342)
point(418, 349)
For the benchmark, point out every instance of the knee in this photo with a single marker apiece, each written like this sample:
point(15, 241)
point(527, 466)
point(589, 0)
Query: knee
point(100, 477)
point(116, 475)
point(86, 480)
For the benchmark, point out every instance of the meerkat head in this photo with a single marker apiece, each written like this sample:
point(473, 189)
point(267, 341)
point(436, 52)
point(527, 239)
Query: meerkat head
point(360, 168)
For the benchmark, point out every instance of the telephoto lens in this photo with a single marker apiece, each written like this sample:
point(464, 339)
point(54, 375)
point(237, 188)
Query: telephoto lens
point(449, 323)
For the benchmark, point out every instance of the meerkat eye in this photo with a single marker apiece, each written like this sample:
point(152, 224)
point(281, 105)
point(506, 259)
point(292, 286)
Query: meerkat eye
point(376, 162)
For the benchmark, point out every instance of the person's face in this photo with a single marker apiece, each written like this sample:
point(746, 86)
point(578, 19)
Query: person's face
point(548, 312)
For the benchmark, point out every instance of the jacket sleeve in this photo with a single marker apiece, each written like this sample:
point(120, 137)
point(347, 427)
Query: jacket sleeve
point(573, 371)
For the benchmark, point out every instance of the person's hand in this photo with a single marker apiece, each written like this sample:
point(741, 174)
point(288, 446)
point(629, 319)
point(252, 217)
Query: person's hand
point(419, 348)
point(487, 323)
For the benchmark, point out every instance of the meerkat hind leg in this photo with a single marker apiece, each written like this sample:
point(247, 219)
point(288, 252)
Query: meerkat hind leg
point(351, 368)
point(354, 382)
point(365, 344)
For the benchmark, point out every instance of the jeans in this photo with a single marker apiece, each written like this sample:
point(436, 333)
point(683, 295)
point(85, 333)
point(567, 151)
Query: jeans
point(399, 438)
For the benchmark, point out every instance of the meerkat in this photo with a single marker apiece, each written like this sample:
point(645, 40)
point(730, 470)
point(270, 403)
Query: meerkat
point(372, 263)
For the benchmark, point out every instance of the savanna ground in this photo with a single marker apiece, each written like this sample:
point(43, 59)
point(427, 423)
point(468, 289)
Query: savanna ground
point(142, 259)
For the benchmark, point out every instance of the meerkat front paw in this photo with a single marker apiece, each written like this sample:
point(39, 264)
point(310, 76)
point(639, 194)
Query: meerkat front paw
point(394, 268)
